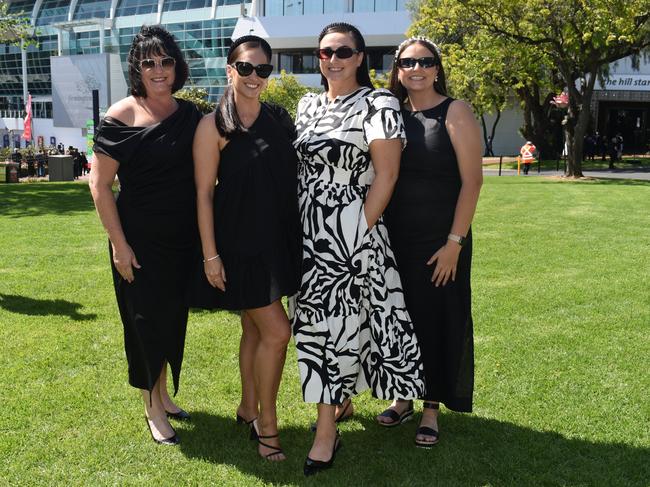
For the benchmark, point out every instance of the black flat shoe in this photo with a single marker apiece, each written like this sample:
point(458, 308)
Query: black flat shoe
point(312, 467)
point(181, 415)
point(395, 418)
point(173, 440)
point(426, 430)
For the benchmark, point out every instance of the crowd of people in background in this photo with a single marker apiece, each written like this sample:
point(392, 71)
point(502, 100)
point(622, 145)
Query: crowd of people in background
point(33, 162)
point(597, 145)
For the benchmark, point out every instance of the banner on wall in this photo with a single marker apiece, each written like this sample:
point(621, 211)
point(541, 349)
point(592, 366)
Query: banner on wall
point(90, 133)
point(53, 141)
point(17, 141)
point(5, 140)
point(40, 141)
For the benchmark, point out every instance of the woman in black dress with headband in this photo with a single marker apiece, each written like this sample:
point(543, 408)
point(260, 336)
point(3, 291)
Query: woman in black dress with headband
point(428, 220)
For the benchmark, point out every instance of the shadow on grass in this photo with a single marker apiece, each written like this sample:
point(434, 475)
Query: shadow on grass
point(43, 307)
point(473, 451)
point(20, 200)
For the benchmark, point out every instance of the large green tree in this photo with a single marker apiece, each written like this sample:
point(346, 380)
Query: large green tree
point(575, 39)
point(489, 72)
point(579, 37)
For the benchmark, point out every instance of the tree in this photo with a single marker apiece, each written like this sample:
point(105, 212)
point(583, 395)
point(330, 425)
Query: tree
point(14, 28)
point(285, 91)
point(198, 96)
point(490, 72)
point(580, 38)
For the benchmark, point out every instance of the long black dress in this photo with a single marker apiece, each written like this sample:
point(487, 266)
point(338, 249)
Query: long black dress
point(256, 219)
point(419, 218)
point(157, 209)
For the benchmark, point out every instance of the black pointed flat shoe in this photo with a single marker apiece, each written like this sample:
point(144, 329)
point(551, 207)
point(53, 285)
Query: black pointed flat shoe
point(312, 467)
point(171, 441)
point(181, 415)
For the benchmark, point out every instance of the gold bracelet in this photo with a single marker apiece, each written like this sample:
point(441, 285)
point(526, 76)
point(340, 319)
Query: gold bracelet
point(211, 258)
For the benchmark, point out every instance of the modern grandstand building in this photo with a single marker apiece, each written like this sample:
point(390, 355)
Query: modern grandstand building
point(203, 28)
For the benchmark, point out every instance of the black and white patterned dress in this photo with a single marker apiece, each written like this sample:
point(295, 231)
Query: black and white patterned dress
point(350, 323)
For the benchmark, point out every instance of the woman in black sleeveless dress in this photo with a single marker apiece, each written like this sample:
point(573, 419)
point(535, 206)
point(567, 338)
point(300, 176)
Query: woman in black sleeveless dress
point(249, 229)
point(146, 139)
point(429, 220)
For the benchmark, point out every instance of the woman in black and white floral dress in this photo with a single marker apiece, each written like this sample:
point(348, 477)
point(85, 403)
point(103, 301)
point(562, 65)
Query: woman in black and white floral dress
point(351, 327)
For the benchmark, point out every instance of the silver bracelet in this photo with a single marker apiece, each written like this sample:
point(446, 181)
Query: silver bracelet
point(211, 258)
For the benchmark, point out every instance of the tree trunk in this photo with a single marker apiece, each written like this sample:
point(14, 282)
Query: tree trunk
point(537, 127)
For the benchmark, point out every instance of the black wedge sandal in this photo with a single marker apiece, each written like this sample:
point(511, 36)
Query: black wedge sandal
point(396, 418)
point(426, 430)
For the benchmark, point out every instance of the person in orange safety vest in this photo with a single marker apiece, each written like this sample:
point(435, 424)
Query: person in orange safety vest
point(527, 157)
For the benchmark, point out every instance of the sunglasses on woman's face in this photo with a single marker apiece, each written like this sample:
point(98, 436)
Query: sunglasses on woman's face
point(410, 62)
point(246, 69)
point(165, 63)
point(343, 52)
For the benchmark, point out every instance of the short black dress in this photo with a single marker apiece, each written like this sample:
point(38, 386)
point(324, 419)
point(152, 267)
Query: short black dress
point(419, 218)
point(256, 221)
point(157, 209)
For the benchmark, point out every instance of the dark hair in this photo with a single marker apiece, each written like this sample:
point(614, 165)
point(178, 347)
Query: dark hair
point(439, 86)
point(363, 76)
point(154, 40)
point(225, 115)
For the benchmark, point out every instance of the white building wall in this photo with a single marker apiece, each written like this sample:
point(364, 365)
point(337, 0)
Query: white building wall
point(507, 139)
point(66, 136)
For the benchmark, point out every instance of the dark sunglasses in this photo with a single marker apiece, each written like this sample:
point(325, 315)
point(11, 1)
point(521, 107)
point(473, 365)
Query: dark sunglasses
point(165, 63)
point(343, 52)
point(246, 69)
point(410, 62)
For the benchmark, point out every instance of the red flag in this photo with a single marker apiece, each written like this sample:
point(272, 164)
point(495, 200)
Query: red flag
point(27, 130)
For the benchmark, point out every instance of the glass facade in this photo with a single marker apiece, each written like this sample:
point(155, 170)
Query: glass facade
point(53, 11)
point(313, 7)
point(136, 7)
point(87, 9)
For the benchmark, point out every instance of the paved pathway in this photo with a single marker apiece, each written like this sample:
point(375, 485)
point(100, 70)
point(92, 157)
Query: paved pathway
point(635, 172)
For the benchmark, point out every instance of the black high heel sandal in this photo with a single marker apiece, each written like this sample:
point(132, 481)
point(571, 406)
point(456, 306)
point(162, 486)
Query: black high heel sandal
point(427, 431)
point(312, 467)
point(172, 440)
point(242, 420)
point(181, 415)
point(256, 436)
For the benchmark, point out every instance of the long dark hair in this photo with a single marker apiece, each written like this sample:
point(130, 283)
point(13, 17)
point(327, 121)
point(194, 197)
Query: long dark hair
point(363, 76)
point(154, 40)
point(439, 86)
point(226, 116)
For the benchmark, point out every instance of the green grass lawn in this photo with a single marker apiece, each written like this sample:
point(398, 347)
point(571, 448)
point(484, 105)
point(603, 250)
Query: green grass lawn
point(561, 285)
point(598, 164)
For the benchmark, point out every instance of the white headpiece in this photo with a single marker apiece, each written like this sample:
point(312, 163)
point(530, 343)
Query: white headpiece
point(411, 40)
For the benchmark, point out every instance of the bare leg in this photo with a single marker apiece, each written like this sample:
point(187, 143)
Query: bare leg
point(344, 410)
point(167, 402)
point(155, 412)
point(273, 326)
point(325, 437)
point(250, 340)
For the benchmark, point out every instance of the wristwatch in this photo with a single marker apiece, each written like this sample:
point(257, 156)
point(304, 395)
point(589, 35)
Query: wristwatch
point(457, 238)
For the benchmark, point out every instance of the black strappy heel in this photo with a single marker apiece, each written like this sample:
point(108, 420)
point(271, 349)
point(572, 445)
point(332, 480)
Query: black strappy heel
point(256, 436)
point(242, 420)
point(427, 431)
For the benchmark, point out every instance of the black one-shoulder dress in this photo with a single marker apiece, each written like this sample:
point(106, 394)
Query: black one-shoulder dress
point(419, 218)
point(256, 222)
point(157, 209)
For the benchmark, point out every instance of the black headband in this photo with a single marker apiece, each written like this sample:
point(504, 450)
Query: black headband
point(249, 38)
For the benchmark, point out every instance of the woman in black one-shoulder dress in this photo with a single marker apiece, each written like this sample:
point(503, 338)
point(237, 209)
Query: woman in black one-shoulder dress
point(146, 139)
point(429, 220)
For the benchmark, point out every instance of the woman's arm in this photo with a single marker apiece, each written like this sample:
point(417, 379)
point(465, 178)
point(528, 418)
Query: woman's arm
point(385, 155)
point(102, 176)
point(206, 153)
point(465, 137)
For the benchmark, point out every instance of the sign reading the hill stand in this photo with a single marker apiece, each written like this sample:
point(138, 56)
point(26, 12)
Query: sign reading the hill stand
point(632, 82)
